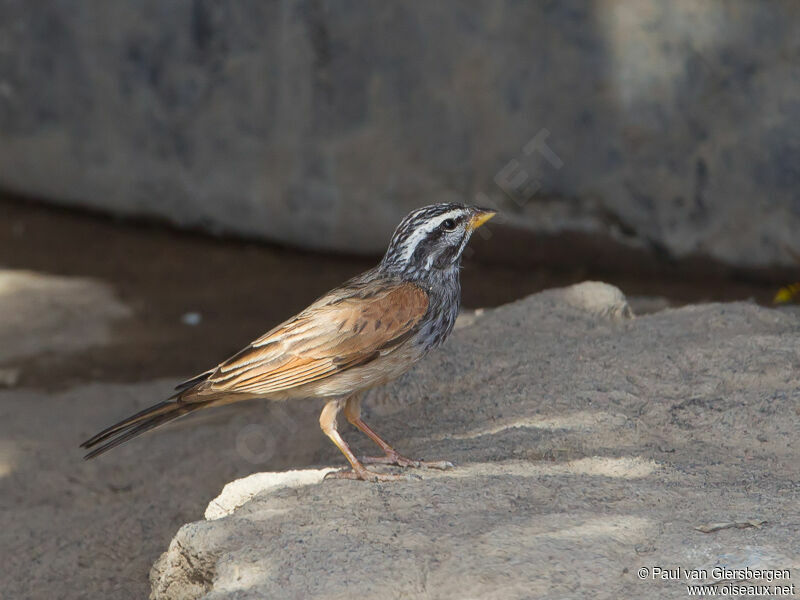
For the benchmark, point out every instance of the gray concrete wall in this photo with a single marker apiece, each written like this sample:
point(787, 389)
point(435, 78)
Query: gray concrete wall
point(673, 125)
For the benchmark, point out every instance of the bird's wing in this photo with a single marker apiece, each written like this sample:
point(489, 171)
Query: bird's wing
point(339, 331)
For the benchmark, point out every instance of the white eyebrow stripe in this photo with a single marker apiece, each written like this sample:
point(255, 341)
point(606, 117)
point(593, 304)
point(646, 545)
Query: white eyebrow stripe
point(410, 245)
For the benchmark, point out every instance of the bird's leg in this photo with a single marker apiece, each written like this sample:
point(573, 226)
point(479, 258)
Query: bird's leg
point(327, 421)
point(352, 410)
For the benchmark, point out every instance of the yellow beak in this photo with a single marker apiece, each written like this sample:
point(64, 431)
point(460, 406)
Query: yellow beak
point(480, 218)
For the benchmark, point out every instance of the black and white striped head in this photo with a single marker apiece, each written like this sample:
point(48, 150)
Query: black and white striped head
point(433, 237)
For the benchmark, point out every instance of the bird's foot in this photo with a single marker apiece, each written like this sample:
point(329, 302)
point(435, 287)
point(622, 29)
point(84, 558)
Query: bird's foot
point(393, 458)
point(366, 475)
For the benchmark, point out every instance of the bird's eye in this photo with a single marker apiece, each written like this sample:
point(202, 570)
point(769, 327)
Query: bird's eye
point(448, 225)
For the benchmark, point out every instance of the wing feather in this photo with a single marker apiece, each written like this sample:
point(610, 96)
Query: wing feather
point(338, 332)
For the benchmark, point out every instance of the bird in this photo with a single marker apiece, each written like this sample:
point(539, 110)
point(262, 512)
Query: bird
point(362, 334)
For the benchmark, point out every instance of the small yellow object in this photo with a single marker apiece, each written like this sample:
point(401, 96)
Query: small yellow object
point(788, 294)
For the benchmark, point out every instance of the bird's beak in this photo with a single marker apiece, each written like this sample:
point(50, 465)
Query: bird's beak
point(479, 218)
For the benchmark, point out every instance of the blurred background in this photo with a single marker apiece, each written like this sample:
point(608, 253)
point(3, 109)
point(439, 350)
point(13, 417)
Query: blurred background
point(219, 164)
point(178, 176)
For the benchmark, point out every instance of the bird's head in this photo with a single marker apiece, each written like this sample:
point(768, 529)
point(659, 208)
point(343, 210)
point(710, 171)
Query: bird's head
point(433, 238)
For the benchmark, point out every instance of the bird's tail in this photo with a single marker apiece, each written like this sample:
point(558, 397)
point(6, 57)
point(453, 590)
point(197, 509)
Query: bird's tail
point(137, 424)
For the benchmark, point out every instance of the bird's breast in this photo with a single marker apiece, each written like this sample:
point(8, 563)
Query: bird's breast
point(443, 306)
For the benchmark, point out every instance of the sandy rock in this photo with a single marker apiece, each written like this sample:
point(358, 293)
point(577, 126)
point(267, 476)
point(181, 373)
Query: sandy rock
point(241, 491)
point(587, 447)
point(48, 313)
point(74, 529)
point(599, 298)
point(642, 305)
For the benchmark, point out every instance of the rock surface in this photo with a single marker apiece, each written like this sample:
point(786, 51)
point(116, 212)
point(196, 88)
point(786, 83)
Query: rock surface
point(73, 529)
point(47, 313)
point(666, 125)
point(588, 444)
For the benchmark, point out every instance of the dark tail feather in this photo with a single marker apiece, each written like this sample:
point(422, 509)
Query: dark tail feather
point(149, 412)
point(148, 419)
